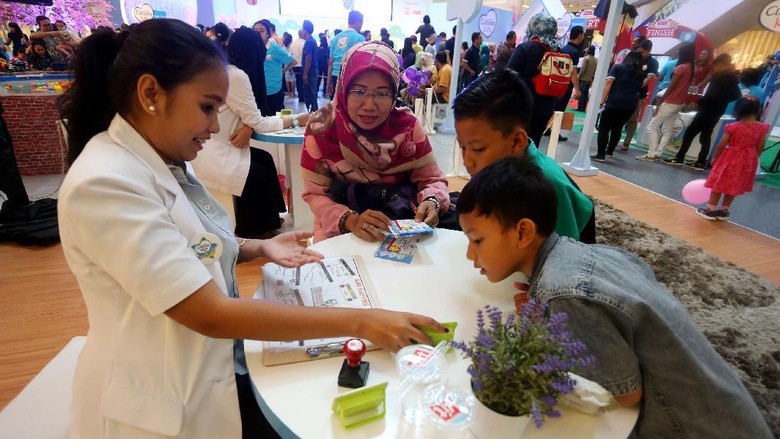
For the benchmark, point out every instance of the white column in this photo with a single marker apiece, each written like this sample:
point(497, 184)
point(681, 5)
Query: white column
point(580, 164)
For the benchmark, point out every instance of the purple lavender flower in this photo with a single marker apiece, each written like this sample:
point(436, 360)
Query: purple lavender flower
point(520, 364)
point(485, 341)
point(536, 414)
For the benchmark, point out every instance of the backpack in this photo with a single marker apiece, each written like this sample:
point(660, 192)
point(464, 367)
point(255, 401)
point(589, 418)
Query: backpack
point(554, 73)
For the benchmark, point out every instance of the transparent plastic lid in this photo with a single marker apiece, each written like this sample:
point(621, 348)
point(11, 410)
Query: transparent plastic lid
point(416, 361)
point(448, 406)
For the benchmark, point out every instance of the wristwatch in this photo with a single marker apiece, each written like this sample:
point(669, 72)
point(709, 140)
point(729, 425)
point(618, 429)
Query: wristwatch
point(295, 121)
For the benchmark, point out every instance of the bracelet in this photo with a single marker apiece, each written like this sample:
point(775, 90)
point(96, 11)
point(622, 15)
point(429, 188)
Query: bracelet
point(436, 202)
point(343, 221)
point(241, 243)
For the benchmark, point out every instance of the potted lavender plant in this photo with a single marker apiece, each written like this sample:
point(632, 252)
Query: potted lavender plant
point(519, 367)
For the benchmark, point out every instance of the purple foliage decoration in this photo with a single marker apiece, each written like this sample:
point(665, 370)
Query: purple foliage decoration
point(78, 15)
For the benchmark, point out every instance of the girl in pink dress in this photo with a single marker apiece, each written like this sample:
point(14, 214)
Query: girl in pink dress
point(734, 166)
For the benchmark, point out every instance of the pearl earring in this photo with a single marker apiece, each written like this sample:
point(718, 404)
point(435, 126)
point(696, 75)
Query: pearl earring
point(152, 108)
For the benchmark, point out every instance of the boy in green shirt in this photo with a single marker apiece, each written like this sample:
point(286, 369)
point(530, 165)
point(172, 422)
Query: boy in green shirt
point(491, 121)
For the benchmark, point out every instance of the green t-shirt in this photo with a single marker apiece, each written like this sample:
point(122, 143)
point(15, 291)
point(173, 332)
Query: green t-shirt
point(574, 208)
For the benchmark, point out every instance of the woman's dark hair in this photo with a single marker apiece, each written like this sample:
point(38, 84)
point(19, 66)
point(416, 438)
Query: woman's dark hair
point(509, 190)
point(687, 55)
point(634, 60)
point(14, 26)
point(747, 106)
point(108, 64)
point(287, 39)
point(267, 25)
point(500, 98)
point(246, 51)
point(323, 41)
point(407, 47)
point(222, 32)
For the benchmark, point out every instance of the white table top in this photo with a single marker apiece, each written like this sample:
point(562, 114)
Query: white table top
point(287, 135)
point(440, 282)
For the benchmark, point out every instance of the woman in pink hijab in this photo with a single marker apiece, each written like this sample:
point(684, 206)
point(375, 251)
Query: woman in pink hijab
point(366, 162)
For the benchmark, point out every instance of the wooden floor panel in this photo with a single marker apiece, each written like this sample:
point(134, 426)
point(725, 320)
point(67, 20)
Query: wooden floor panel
point(42, 309)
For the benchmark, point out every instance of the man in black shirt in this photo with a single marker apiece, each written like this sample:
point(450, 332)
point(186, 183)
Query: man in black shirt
point(643, 46)
point(572, 48)
point(449, 45)
point(424, 30)
point(471, 59)
point(722, 89)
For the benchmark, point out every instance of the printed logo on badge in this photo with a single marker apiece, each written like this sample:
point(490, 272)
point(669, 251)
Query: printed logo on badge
point(207, 247)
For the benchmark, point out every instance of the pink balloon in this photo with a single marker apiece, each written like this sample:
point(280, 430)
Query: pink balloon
point(694, 192)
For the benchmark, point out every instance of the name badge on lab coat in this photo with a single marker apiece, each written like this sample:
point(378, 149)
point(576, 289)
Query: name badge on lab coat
point(207, 247)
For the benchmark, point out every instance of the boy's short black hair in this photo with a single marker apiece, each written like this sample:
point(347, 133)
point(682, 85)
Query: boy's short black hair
point(501, 98)
point(441, 57)
point(475, 35)
point(511, 189)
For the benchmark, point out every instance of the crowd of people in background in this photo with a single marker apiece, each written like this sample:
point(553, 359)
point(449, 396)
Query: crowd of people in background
point(307, 66)
point(48, 48)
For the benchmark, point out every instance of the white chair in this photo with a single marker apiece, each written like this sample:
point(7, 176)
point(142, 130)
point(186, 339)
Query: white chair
point(43, 409)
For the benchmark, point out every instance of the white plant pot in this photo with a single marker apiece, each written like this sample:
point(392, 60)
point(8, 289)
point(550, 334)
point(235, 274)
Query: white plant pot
point(488, 424)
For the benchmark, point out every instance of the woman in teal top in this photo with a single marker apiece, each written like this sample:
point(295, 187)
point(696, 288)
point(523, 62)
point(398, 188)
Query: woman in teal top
point(277, 62)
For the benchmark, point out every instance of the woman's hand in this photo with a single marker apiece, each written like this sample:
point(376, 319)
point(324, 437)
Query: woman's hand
point(427, 213)
point(392, 330)
point(369, 225)
point(283, 249)
point(303, 119)
point(240, 137)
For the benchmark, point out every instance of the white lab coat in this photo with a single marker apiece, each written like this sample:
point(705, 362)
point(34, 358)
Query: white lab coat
point(221, 166)
point(125, 225)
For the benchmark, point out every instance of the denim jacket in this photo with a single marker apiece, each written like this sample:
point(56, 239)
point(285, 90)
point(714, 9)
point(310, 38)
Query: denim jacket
point(643, 337)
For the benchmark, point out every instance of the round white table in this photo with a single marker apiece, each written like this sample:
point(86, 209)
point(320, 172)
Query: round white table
point(440, 282)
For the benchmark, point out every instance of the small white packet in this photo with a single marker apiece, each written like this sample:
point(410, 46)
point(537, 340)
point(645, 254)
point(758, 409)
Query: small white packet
point(588, 396)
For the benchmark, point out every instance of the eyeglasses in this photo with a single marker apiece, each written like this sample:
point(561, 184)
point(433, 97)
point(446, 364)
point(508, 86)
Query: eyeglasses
point(382, 97)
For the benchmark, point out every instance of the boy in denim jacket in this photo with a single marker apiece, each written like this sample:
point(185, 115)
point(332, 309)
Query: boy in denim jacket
point(492, 118)
point(648, 350)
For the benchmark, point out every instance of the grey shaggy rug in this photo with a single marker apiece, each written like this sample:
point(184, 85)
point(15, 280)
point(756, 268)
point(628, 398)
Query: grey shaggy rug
point(738, 311)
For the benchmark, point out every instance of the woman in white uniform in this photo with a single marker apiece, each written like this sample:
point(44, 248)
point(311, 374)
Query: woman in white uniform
point(144, 238)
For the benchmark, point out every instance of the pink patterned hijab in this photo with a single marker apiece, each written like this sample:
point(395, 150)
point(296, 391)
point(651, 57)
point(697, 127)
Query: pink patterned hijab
point(331, 135)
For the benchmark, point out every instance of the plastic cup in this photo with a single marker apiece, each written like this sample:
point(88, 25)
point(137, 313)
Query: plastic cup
point(419, 369)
